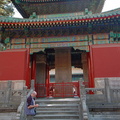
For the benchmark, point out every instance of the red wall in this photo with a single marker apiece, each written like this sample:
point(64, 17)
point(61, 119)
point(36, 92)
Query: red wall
point(14, 65)
point(106, 60)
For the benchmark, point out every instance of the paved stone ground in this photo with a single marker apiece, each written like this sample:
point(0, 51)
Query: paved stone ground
point(8, 116)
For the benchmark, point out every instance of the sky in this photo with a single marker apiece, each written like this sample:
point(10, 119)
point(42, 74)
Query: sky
point(109, 5)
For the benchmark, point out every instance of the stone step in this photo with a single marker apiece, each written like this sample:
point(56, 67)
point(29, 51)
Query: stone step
point(99, 118)
point(58, 119)
point(60, 106)
point(8, 116)
point(57, 109)
point(42, 105)
point(104, 117)
point(57, 99)
point(61, 116)
point(105, 113)
point(57, 112)
point(103, 105)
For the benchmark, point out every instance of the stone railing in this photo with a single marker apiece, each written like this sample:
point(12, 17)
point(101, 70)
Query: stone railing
point(103, 95)
point(90, 97)
point(95, 94)
point(115, 95)
point(21, 109)
point(84, 109)
point(10, 98)
point(3, 98)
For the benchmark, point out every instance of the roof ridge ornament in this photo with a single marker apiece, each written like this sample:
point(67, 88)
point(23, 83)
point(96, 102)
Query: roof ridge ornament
point(87, 12)
point(40, 1)
point(33, 16)
point(17, 1)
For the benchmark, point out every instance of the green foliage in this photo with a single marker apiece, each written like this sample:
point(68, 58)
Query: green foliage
point(6, 8)
point(2, 47)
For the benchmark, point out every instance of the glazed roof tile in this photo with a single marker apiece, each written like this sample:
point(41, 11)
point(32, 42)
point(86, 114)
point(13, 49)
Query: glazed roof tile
point(49, 18)
point(42, 7)
point(39, 1)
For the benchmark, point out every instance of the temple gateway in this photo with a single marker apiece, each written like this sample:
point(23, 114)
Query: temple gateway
point(61, 35)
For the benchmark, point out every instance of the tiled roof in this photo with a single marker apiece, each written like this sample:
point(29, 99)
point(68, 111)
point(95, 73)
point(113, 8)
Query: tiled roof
point(43, 7)
point(40, 1)
point(62, 20)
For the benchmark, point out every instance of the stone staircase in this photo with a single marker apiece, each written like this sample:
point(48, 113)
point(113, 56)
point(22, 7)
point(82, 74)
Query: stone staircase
point(105, 116)
point(58, 109)
point(7, 115)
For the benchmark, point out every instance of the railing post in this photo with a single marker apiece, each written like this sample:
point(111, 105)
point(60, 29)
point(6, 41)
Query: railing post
point(24, 94)
point(23, 115)
point(33, 84)
point(82, 88)
point(85, 111)
point(107, 90)
point(21, 109)
point(8, 92)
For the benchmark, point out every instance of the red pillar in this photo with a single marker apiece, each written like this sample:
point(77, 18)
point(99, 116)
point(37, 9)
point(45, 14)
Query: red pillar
point(33, 68)
point(47, 80)
point(27, 74)
point(91, 69)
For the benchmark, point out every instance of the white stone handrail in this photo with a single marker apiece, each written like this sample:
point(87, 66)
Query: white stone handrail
point(21, 109)
point(31, 90)
point(115, 93)
point(10, 98)
point(94, 89)
point(103, 95)
point(84, 111)
point(2, 96)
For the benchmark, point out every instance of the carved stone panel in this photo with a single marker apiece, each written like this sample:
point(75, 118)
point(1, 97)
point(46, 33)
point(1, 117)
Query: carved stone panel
point(40, 73)
point(85, 66)
point(40, 69)
point(63, 65)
